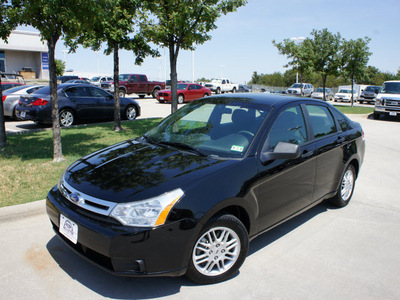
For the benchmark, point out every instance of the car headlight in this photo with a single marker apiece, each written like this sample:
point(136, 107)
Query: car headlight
point(147, 213)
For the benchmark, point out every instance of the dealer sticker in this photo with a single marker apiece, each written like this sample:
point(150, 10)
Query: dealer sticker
point(237, 148)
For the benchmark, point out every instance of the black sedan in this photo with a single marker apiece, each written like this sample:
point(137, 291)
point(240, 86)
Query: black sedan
point(77, 103)
point(189, 195)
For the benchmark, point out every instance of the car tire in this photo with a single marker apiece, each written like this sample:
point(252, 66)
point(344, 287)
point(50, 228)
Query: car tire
point(218, 91)
point(376, 116)
point(130, 113)
point(154, 93)
point(346, 188)
point(121, 93)
point(360, 101)
point(219, 250)
point(181, 99)
point(234, 90)
point(142, 96)
point(67, 118)
point(205, 95)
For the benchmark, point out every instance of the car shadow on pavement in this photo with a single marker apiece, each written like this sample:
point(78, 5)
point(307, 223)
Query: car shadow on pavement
point(280, 231)
point(112, 286)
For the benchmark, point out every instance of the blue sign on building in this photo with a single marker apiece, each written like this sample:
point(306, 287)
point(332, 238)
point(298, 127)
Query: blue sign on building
point(45, 61)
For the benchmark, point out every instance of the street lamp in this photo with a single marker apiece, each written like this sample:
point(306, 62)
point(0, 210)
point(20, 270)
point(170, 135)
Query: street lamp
point(297, 39)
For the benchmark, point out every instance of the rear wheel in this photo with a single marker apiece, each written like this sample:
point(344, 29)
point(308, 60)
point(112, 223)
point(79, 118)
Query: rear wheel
point(67, 118)
point(130, 113)
point(218, 91)
point(343, 196)
point(219, 251)
point(154, 93)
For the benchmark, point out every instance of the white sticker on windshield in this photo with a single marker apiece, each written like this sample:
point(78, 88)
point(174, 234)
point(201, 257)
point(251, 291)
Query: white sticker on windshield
point(237, 148)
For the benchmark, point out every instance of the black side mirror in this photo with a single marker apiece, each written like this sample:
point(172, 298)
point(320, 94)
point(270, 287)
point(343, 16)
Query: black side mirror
point(282, 150)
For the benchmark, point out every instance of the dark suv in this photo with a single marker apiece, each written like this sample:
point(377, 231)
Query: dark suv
point(369, 94)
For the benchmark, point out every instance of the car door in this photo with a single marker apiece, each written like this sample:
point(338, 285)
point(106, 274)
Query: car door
point(193, 92)
point(329, 142)
point(286, 186)
point(79, 98)
point(105, 102)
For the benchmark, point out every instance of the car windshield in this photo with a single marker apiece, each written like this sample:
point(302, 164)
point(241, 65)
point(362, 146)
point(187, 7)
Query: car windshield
point(296, 85)
point(124, 77)
point(345, 91)
point(391, 88)
point(220, 127)
point(182, 86)
point(95, 79)
point(371, 88)
point(321, 90)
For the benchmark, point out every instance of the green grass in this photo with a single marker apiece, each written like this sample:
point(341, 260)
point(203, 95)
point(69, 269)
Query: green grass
point(27, 171)
point(355, 109)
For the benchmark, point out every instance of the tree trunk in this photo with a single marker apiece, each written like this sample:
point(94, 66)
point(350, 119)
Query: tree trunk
point(173, 57)
point(324, 84)
point(352, 87)
point(117, 105)
point(55, 115)
point(3, 137)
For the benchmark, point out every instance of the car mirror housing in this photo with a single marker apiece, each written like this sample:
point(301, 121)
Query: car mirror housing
point(282, 150)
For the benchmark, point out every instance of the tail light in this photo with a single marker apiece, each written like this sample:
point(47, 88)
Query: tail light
point(4, 98)
point(39, 102)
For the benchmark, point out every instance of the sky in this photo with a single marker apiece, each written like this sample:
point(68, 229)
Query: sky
point(242, 43)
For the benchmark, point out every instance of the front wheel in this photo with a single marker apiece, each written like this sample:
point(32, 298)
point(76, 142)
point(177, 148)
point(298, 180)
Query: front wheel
point(343, 196)
point(154, 93)
point(218, 91)
point(66, 118)
point(181, 99)
point(130, 113)
point(219, 251)
point(121, 93)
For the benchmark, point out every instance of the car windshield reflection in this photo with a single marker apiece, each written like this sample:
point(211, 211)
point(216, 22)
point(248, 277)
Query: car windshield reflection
point(221, 128)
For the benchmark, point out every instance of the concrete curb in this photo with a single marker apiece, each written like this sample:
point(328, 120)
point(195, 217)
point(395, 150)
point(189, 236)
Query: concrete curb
point(16, 212)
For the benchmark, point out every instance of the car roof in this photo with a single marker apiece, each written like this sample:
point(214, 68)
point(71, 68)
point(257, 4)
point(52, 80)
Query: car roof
point(274, 100)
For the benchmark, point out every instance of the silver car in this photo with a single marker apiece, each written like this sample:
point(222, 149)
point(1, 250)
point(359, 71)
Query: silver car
point(319, 94)
point(11, 98)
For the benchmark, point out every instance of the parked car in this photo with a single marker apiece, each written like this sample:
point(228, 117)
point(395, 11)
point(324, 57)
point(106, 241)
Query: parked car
point(85, 81)
point(98, 80)
point(12, 77)
point(243, 89)
point(319, 94)
point(65, 78)
point(186, 197)
point(77, 103)
point(345, 95)
point(186, 92)
point(300, 89)
point(135, 84)
point(11, 97)
point(387, 102)
point(9, 85)
point(369, 94)
point(222, 85)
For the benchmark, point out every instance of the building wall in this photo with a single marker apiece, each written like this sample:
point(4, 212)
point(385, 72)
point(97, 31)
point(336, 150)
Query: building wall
point(24, 50)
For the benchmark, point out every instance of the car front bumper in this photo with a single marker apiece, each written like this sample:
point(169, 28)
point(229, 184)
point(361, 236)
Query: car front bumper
point(123, 250)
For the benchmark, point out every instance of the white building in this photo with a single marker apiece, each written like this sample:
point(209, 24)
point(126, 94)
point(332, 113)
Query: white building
point(25, 54)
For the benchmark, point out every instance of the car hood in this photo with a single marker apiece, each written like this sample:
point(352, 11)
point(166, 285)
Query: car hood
point(135, 170)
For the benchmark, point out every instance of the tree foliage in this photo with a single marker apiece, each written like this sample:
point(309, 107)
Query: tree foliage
point(60, 67)
point(182, 24)
point(115, 24)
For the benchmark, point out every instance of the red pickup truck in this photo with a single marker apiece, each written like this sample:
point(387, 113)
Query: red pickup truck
point(135, 84)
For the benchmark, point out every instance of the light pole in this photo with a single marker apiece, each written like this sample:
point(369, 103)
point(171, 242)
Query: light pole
point(65, 57)
point(297, 39)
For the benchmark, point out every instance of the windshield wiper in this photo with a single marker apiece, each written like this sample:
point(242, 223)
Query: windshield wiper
point(183, 146)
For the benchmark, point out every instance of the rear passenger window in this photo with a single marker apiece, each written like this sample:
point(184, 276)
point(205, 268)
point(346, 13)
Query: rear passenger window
point(343, 122)
point(289, 127)
point(322, 121)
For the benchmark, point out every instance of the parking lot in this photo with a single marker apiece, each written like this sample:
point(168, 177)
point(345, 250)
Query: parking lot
point(325, 253)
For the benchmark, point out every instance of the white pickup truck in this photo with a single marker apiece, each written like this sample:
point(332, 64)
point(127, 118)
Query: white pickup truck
point(222, 85)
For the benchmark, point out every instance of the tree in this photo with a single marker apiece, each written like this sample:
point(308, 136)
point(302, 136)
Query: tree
point(60, 67)
point(355, 56)
point(8, 23)
point(299, 53)
point(181, 24)
point(114, 23)
point(324, 53)
point(54, 19)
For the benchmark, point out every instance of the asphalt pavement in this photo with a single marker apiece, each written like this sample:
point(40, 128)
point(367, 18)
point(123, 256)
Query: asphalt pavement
point(325, 253)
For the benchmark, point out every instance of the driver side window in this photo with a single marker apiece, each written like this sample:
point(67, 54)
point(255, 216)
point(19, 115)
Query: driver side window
point(289, 127)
